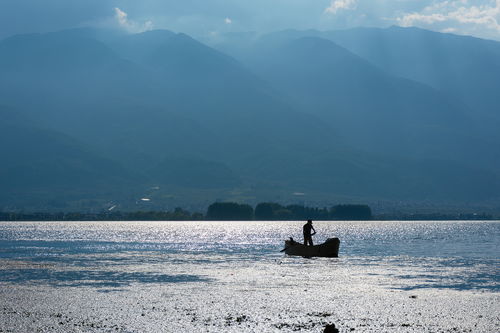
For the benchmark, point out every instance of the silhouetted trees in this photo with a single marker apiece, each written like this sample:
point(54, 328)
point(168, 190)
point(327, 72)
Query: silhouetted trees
point(351, 212)
point(265, 211)
point(270, 211)
point(178, 214)
point(229, 211)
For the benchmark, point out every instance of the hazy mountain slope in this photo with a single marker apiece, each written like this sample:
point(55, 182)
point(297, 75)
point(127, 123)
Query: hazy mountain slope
point(467, 68)
point(464, 67)
point(180, 76)
point(203, 104)
point(137, 47)
point(251, 129)
point(233, 112)
point(377, 112)
point(195, 173)
point(371, 109)
point(62, 74)
point(185, 116)
point(43, 165)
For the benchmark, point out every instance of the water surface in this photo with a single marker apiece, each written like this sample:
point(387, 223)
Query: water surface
point(239, 265)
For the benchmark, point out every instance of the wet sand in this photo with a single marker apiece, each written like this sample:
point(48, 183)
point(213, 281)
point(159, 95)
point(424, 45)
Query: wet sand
point(276, 295)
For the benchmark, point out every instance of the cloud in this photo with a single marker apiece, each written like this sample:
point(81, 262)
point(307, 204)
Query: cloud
point(121, 16)
point(458, 16)
point(337, 5)
point(131, 26)
point(199, 17)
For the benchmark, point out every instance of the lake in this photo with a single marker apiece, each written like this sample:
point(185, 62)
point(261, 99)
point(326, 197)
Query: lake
point(231, 277)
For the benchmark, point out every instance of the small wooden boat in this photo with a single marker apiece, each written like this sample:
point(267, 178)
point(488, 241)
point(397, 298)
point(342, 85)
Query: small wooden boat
point(330, 248)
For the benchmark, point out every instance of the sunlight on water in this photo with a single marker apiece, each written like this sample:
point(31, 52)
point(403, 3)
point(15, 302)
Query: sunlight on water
point(231, 277)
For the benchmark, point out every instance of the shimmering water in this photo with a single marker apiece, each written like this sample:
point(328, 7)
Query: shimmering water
point(231, 276)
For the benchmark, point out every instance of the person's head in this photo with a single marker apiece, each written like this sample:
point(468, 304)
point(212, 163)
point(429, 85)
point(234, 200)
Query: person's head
point(309, 221)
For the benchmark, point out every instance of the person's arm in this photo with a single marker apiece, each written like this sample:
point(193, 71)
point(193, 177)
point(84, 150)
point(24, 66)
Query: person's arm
point(314, 231)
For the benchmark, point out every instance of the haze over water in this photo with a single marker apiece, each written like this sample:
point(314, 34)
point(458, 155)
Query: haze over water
point(230, 276)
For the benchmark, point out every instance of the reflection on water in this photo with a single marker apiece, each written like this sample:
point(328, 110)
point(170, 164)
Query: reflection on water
point(456, 255)
point(91, 278)
point(230, 277)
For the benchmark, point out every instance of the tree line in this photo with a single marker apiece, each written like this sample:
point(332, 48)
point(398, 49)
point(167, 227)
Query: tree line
point(219, 211)
point(232, 211)
point(270, 211)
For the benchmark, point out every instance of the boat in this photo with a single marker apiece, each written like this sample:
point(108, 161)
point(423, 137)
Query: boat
point(330, 248)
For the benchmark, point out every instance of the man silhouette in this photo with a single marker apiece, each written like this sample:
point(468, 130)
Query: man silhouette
point(308, 227)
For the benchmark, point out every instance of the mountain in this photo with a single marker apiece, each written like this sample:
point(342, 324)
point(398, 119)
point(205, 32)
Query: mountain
point(184, 100)
point(412, 119)
point(196, 173)
point(41, 166)
point(160, 110)
point(179, 78)
point(375, 109)
point(463, 67)
point(66, 74)
point(466, 68)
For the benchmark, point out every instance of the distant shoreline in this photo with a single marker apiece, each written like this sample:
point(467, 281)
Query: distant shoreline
point(232, 211)
point(159, 216)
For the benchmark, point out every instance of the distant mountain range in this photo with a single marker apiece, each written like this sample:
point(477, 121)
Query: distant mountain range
point(95, 118)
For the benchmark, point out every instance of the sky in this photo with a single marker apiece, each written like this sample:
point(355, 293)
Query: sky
point(205, 18)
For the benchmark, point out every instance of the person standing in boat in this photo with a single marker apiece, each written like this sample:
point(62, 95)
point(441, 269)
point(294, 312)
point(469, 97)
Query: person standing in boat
point(308, 233)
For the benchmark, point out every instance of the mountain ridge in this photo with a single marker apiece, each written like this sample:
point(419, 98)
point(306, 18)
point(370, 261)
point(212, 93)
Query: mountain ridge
point(302, 115)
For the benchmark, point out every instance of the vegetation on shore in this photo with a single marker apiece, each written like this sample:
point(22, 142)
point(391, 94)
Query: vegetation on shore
point(231, 211)
point(270, 211)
